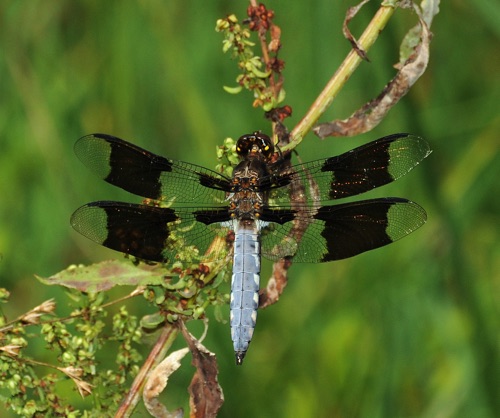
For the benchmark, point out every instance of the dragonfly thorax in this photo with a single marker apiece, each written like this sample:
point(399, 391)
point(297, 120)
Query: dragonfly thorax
point(246, 197)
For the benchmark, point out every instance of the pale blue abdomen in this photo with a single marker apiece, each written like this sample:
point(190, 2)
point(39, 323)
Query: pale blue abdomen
point(245, 287)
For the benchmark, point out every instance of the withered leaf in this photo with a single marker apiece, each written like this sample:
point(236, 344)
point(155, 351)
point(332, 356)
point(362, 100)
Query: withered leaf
point(156, 383)
point(351, 12)
point(206, 395)
point(409, 71)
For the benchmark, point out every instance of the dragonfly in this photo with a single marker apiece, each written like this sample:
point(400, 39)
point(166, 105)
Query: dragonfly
point(268, 206)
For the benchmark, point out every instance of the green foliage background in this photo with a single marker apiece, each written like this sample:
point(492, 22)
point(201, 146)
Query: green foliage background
point(410, 330)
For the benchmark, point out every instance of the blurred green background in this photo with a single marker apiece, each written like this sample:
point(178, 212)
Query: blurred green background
point(411, 330)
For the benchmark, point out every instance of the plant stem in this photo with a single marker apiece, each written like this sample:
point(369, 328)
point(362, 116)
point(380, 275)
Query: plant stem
point(340, 77)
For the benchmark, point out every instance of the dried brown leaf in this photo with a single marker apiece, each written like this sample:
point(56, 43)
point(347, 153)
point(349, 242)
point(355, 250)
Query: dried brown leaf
point(156, 383)
point(351, 12)
point(11, 349)
point(206, 395)
point(83, 387)
point(275, 43)
point(71, 371)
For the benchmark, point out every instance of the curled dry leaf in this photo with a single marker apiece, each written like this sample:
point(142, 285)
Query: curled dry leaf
point(156, 383)
point(72, 372)
point(206, 395)
point(275, 43)
point(370, 115)
point(11, 349)
point(351, 12)
point(46, 307)
point(84, 388)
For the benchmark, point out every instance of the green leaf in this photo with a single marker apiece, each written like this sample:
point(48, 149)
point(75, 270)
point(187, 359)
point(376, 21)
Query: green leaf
point(153, 321)
point(232, 90)
point(105, 275)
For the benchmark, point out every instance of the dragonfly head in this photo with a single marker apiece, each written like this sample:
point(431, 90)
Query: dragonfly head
point(256, 145)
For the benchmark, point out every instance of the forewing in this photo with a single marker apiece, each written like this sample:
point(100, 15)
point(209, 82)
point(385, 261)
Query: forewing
point(149, 175)
point(356, 171)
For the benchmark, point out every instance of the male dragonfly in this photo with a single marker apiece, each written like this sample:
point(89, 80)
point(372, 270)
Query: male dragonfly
point(273, 208)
